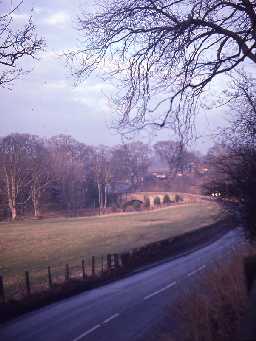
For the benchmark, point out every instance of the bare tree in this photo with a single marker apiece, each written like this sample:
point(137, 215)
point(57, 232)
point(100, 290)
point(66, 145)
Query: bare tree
point(130, 162)
point(16, 43)
point(14, 153)
point(69, 170)
point(242, 104)
point(103, 175)
point(166, 53)
point(41, 174)
point(175, 155)
point(233, 164)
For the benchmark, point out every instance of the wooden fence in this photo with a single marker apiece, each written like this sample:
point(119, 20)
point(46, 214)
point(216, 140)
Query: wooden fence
point(30, 282)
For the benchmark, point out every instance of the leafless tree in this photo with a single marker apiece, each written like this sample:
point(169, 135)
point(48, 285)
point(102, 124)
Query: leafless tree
point(103, 174)
point(166, 53)
point(14, 154)
point(242, 104)
point(16, 43)
point(72, 166)
point(175, 155)
point(233, 164)
point(41, 174)
point(68, 170)
point(130, 162)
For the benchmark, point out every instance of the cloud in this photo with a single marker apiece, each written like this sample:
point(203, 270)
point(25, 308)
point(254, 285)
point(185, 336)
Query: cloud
point(38, 10)
point(59, 19)
point(91, 93)
point(20, 18)
point(56, 85)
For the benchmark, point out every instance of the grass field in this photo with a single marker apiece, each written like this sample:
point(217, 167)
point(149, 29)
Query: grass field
point(34, 245)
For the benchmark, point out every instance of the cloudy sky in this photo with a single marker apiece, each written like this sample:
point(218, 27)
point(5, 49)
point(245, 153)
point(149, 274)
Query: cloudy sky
point(46, 102)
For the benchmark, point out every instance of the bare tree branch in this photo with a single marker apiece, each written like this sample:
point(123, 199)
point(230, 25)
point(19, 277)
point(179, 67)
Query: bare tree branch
point(165, 53)
point(15, 45)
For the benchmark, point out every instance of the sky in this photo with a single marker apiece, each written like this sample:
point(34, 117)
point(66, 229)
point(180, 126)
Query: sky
point(46, 102)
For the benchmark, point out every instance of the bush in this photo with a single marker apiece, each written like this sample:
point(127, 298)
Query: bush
point(115, 208)
point(157, 201)
point(166, 199)
point(136, 204)
point(133, 205)
point(146, 202)
point(178, 198)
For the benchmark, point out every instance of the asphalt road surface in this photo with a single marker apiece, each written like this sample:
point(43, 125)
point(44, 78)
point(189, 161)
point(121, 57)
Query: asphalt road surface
point(124, 310)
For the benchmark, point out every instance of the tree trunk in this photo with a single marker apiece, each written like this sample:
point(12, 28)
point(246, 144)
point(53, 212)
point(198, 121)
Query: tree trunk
point(14, 212)
point(106, 197)
point(37, 211)
point(100, 200)
point(36, 195)
point(11, 192)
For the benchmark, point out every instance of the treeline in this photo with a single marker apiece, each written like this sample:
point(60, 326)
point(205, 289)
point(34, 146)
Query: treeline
point(61, 173)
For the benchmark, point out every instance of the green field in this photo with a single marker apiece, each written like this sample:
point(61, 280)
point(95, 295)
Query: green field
point(34, 245)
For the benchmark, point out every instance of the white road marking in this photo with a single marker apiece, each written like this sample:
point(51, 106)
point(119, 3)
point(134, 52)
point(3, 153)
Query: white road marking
point(96, 327)
point(202, 267)
point(196, 271)
point(87, 332)
point(111, 318)
point(145, 298)
point(159, 291)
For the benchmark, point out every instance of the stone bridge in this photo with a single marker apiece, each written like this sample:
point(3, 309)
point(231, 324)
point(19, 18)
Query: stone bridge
point(143, 196)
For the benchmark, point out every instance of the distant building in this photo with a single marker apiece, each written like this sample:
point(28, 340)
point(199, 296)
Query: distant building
point(203, 170)
point(159, 175)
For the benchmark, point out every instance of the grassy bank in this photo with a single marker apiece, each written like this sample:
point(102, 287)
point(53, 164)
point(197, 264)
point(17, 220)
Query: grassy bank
point(214, 308)
point(34, 245)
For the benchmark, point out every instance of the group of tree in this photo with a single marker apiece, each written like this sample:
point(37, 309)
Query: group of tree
point(61, 173)
point(233, 160)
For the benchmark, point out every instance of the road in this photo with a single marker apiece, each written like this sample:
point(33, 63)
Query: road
point(124, 310)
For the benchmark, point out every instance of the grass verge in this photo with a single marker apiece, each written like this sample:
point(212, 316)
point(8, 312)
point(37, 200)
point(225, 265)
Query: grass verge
point(215, 308)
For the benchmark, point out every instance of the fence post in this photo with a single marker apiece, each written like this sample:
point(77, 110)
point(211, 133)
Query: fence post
point(67, 274)
point(27, 279)
point(2, 294)
point(93, 266)
point(83, 269)
point(116, 260)
point(109, 261)
point(102, 264)
point(49, 277)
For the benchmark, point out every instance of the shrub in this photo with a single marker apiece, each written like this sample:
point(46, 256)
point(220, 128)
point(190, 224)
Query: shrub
point(136, 204)
point(115, 208)
point(133, 205)
point(178, 198)
point(157, 201)
point(166, 199)
point(146, 202)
